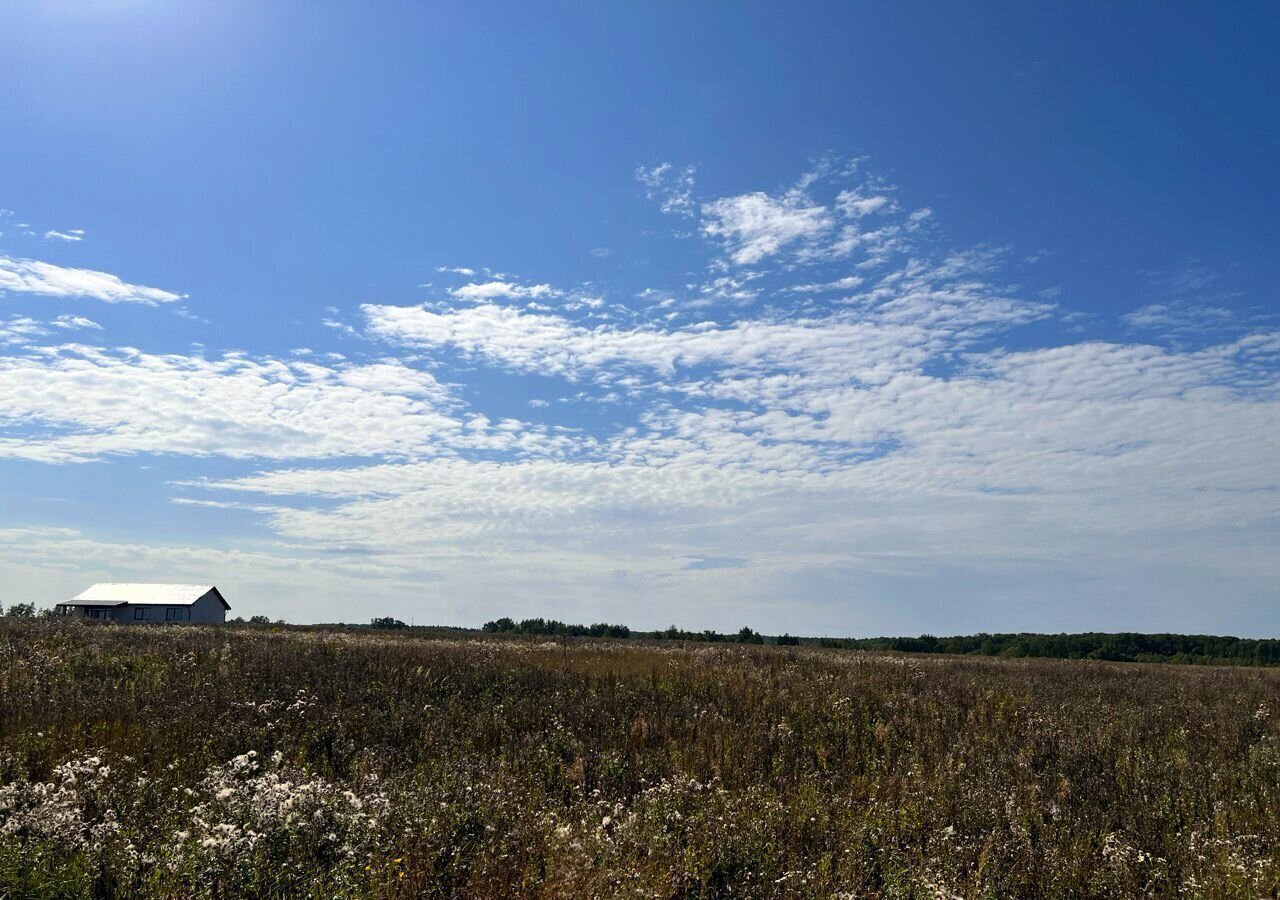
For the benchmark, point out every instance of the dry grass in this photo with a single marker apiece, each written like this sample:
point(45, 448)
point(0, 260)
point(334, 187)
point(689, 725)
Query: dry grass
point(172, 762)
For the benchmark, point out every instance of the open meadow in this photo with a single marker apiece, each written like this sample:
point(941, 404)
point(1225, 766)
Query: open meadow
point(280, 762)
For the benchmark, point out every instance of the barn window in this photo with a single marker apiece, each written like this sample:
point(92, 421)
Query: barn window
point(173, 613)
point(141, 612)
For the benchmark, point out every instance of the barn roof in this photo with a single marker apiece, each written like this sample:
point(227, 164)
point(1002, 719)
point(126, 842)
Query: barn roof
point(119, 593)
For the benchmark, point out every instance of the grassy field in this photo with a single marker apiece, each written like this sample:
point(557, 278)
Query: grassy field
point(250, 762)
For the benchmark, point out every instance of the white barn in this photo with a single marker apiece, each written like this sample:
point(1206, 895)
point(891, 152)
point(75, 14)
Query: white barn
point(121, 602)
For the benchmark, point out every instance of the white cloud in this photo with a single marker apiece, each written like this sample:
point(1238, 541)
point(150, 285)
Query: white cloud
point(20, 330)
point(906, 317)
point(74, 234)
point(753, 226)
point(831, 447)
point(341, 327)
point(79, 403)
point(847, 283)
point(76, 322)
point(551, 344)
point(1177, 318)
point(500, 290)
point(671, 186)
point(1047, 465)
point(864, 218)
point(29, 276)
point(879, 440)
point(857, 203)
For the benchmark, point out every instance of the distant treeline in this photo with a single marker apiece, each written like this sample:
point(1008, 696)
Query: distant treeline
point(744, 636)
point(1201, 649)
point(555, 627)
point(1122, 647)
point(604, 629)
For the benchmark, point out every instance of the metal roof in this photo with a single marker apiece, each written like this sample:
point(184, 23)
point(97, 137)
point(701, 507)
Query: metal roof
point(118, 593)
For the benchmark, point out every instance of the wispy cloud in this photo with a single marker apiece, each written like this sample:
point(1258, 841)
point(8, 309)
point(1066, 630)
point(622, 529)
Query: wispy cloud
point(495, 290)
point(1012, 462)
point(1181, 318)
point(91, 403)
point(20, 330)
point(29, 276)
point(75, 322)
point(73, 234)
point(670, 185)
point(833, 403)
point(1190, 302)
point(910, 315)
point(859, 214)
point(753, 226)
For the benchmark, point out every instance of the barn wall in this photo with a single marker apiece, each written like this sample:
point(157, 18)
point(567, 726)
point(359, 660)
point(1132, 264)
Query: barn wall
point(208, 609)
point(113, 614)
point(157, 615)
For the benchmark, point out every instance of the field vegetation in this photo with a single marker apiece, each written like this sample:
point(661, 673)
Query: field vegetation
point(264, 761)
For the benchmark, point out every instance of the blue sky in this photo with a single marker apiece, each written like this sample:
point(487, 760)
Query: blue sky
point(842, 319)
